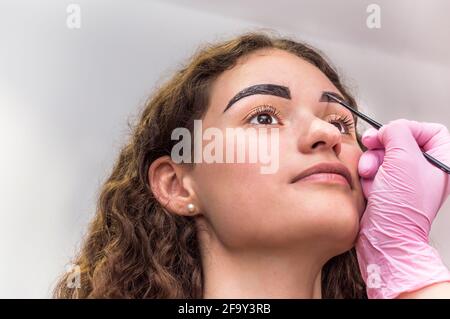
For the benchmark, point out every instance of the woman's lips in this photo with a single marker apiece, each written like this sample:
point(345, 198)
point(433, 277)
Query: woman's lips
point(326, 168)
point(325, 178)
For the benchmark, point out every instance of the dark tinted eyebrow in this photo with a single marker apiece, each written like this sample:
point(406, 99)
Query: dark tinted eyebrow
point(325, 98)
point(267, 89)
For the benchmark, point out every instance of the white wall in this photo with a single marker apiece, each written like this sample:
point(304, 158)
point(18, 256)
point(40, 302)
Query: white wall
point(66, 96)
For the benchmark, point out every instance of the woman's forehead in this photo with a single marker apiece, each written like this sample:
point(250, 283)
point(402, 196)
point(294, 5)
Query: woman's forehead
point(276, 67)
point(276, 62)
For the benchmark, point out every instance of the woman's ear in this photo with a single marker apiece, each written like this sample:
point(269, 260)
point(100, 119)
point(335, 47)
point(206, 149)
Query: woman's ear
point(171, 187)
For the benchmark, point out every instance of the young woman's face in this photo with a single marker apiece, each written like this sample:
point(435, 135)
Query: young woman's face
point(246, 208)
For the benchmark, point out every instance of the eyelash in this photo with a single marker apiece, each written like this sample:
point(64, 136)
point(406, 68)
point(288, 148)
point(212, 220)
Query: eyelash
point(262, 109)
point(266, 108)
point(346, 120)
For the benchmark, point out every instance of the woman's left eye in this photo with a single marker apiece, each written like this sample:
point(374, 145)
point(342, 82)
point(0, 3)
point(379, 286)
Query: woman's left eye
point(345, 121)
point(264, 115)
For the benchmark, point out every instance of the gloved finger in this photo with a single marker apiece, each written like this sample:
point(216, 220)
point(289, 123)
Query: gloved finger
point(398, 135)
point(412, 135)
point(369, 162)
point(434, 138)
point(447, 190)
point(429, 135)
point(366, 185)
point(371, 140)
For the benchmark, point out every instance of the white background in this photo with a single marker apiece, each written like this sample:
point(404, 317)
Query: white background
point(66, 97)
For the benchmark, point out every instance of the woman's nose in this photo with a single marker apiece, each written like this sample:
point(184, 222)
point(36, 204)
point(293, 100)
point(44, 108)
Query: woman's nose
point(320, 136)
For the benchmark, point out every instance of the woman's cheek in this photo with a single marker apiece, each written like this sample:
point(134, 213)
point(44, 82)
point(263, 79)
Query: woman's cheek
point(235, 199)
point(350, 157)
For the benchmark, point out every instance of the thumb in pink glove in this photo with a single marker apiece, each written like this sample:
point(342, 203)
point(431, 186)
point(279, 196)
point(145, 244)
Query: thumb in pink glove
point(404, 193)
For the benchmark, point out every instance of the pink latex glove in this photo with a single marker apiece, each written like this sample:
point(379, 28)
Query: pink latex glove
point(404, 193)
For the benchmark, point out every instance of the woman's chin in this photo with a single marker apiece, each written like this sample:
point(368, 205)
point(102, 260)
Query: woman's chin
point(344, 230)
point(337, 225)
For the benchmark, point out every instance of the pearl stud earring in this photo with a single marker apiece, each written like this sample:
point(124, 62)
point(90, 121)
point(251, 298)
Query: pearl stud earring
point(191, 207)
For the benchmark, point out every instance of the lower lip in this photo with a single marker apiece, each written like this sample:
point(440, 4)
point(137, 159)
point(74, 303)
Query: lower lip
point(326, 178)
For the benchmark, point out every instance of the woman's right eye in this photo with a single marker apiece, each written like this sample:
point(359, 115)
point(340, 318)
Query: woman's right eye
point(264, 115)
point(264, 119)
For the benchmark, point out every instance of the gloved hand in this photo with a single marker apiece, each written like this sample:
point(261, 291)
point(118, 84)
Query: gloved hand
point(404, 192)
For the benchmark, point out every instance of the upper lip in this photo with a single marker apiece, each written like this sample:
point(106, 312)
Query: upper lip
point(336, 168)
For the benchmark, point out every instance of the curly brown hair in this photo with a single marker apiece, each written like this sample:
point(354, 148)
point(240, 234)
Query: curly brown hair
point(134, 247)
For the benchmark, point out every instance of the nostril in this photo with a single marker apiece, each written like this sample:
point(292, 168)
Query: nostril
point(318, 143)
point(337, 148)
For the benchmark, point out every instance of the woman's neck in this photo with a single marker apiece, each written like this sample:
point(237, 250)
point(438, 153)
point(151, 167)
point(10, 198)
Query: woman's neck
point(261, 274)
